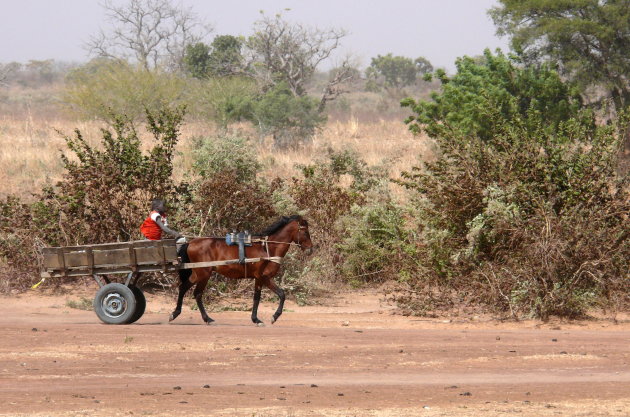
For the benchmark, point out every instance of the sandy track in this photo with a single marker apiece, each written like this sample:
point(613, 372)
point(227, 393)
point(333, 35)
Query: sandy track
point(350, 359)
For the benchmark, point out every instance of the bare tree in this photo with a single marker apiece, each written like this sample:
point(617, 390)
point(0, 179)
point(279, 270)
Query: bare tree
point(154, 33)
point(4, 74)
point(290, 52)
point(340, 78)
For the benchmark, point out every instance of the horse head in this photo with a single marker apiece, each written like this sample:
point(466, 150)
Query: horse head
point(302, 236)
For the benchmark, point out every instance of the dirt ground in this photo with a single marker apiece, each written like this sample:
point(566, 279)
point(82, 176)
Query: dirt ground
point(346, 357)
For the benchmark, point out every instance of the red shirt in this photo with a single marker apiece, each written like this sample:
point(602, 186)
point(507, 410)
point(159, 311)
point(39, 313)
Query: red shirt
point(150, 229)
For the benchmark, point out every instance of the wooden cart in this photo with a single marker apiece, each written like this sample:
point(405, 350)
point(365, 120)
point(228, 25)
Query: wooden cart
point(121, 302)
point(114, 303)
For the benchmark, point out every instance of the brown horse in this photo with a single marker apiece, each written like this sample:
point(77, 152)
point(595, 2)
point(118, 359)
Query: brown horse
point(273, 243)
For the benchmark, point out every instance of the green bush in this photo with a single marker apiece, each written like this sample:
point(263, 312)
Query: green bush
point(378, 244)
point(321, 192)
point(292, 120)
point(104, 88)
point(529, 220)
point(223, 100)
point(494, 84)
point(227, 151)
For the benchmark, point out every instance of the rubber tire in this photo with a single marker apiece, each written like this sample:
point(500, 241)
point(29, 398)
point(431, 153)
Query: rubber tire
point(141, 304)
point(115, 304)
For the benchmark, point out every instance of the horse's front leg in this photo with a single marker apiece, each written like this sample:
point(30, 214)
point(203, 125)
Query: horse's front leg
point(280, 293)
point(257, 293)
point(183, 287)
point(198, 293)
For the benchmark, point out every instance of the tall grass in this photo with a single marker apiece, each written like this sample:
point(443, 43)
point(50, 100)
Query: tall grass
point(30, 146)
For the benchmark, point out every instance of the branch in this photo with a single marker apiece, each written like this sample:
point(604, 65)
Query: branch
point(345, 73)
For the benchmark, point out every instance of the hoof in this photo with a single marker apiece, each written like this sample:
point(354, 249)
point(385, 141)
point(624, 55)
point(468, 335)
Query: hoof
point(273, 320)
point(209, 321)
point(260, 324)
point(173, 316)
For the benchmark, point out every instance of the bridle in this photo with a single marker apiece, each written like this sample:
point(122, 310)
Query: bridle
point(300, 227)
point(266, 240)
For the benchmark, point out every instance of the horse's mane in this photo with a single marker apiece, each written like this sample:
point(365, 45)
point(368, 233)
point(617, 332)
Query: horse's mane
point(279, 224)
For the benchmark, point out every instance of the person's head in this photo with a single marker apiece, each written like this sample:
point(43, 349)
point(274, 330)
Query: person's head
point(158, 205)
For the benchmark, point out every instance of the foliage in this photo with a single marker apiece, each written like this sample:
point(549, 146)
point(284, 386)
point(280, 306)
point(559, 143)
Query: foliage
point(19, 245)
point(34, 73)
point(227, 193)
point(223, 100)
point(105, 193)
point(102, 88)
point(377, 244)
point(531, 94)
point(589, 38)
point(226, 152)
point(398, 71)
point(223, 202)
point(292, 120)
point(423, 65)
point(226, 57)
point(196, 59)
point(103, 196)
point(222, 58)
point(322, 193)
point(529, 220)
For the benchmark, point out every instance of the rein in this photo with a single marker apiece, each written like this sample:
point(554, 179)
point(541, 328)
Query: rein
point(266, 239)
point(263, 240)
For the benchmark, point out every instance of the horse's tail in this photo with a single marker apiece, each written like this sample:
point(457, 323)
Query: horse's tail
point(184, 274)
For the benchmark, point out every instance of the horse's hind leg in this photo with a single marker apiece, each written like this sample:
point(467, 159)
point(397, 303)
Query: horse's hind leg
point(201, 286)
point(257, 292)
point(280, 293)
point(183, 287)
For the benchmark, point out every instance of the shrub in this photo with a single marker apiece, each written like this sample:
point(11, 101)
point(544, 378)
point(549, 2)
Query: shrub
point(223, 100)
point(378, 244)
point(291, 119)
point(499, 84)
point(227, 192)
point(105, 88)
point(225, 152)
point(223, 203)
point(530, 220)
point(322, 193)
point(19, 245)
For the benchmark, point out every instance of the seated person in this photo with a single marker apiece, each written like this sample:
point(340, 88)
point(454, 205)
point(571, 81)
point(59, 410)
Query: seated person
point(156, 223)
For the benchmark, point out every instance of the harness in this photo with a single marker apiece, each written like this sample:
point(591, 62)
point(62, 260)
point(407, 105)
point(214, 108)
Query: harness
point(241, 239)
point(244, 239)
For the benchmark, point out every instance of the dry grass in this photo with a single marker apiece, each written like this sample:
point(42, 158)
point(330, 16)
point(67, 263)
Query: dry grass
point(30, 147)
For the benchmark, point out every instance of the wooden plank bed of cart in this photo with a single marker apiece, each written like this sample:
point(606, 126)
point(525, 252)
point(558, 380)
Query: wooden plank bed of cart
point(119, 302)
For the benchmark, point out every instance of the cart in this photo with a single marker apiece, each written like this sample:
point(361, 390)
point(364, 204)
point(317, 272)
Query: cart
point(121, 302)
point(115, 302)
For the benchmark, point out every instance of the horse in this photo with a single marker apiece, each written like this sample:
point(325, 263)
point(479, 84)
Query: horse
point(271, 245)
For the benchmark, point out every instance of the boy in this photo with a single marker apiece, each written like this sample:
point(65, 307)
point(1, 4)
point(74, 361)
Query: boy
point(156, 223)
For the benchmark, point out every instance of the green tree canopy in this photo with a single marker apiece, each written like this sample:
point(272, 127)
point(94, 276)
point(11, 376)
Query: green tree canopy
point(535, 94)
point(398, 71)
point(290, 119)
point(225, 57)
point(589, 38)
point(196, 59)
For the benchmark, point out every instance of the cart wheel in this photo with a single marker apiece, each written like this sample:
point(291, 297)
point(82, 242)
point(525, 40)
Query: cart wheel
point(115, 304)
point(141, 304)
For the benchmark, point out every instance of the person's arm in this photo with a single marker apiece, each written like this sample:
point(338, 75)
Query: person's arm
point(165, 228)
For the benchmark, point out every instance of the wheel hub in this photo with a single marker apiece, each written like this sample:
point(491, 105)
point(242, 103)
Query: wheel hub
point(114, 305)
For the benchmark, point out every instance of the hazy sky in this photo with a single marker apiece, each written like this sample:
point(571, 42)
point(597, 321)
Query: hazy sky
point(440, 30)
